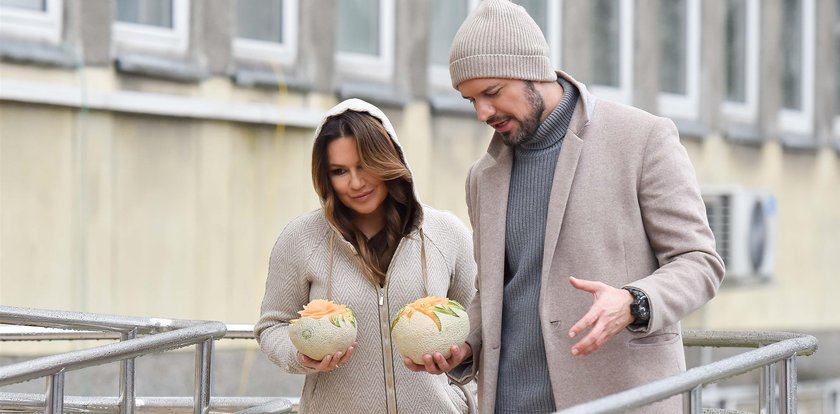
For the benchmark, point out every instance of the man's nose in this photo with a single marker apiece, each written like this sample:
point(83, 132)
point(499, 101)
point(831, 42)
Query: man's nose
point(484, 111)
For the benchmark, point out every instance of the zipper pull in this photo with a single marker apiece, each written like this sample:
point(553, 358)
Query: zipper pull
point(381, 296)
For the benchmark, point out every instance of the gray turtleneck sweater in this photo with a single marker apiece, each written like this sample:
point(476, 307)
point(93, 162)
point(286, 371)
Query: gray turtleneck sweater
point(524, 385)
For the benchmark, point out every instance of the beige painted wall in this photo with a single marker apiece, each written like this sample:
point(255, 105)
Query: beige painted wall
point(804, 294)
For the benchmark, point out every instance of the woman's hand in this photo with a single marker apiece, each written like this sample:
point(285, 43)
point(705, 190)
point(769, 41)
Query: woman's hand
point(437, 364)
point(329, 363)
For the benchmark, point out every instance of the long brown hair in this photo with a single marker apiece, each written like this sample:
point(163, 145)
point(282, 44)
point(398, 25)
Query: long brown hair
point(382, 158)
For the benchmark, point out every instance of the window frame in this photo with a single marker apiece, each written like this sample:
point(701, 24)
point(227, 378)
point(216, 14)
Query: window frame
point(801, 121)
point(686, 106)
point(747, 112)
point(284, 53)
point(34, 25)
point(624, 92)
point(133, 36)
point(378, 68)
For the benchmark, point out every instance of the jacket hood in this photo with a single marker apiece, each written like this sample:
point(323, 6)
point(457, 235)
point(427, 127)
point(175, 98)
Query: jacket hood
point(358, 105)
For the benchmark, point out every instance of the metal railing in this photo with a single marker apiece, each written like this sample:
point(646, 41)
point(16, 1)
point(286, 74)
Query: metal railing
point(775, 355)
point(247, 405)
point(168, 334)
point(777, 391)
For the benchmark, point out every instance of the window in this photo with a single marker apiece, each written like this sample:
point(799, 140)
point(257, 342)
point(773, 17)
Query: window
point(365, 38)
point(34, 20)
point(612, 48)
point(547, 14)
point(742, 44)
point(837, 67)
point(266, 30)
point(447, 16)
point(679, 58)
point(798, 66)
point(152, 25)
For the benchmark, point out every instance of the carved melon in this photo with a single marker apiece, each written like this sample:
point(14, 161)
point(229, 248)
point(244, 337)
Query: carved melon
point(323, 328)
point(428, 325)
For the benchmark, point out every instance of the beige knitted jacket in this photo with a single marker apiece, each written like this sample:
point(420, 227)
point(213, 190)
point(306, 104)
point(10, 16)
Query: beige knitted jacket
point(375, 379)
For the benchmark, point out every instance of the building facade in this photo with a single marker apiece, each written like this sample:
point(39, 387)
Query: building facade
point(150, 152)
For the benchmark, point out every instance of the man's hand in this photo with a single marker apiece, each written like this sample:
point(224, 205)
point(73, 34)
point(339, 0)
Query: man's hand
point(609, 314)
point(437, 364)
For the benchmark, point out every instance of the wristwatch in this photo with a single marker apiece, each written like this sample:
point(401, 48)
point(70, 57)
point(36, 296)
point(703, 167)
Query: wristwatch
point(639, 309)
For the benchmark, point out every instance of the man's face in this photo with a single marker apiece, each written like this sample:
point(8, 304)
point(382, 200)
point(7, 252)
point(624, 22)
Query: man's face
point(514, 108)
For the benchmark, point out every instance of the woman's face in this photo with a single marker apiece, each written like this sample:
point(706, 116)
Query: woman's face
point(356, 188)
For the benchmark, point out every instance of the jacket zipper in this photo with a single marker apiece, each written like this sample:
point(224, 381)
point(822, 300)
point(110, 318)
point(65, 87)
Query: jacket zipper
point(387, 355)
point(385, 330)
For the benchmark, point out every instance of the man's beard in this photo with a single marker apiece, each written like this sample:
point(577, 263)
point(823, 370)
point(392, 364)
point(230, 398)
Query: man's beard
point(529, 125)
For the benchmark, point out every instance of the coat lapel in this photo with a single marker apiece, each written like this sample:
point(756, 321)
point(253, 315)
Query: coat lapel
point(561, 186)
point(494, 182)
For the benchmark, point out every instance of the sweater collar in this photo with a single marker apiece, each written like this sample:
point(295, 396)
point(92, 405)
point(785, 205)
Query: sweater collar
point(553, 129)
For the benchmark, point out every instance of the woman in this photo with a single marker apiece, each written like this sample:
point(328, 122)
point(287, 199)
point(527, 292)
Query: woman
point(373, 247)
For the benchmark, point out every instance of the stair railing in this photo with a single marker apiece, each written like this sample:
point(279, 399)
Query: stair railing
point(772, 349)
point(168, 334)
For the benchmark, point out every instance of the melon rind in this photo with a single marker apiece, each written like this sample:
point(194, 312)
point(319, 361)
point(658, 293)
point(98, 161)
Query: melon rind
point(317, 338)
point(418, 335)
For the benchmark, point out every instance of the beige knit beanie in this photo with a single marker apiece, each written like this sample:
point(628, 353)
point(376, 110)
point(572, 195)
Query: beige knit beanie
point(499, 40)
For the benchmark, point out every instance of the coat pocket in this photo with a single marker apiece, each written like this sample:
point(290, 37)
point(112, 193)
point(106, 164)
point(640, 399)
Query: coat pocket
point(657, 339)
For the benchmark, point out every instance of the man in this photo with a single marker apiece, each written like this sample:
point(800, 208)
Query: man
point(588, 256)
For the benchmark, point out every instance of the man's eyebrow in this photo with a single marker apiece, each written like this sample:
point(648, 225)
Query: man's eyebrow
point(485, 90)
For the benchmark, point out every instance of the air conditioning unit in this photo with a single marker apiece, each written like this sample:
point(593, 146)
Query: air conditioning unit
point(744, 224)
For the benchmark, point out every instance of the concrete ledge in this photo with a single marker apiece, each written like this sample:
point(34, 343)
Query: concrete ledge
point(157, 104)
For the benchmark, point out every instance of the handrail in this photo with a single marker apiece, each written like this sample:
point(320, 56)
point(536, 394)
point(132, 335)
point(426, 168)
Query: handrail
point(37, 333)
point(73, 360)
point(28, 401)
point(738, 339)
point(170, 334)
point(89, 321)
point(773, 347)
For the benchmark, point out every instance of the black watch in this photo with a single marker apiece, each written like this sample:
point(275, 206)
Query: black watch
point(639, 309)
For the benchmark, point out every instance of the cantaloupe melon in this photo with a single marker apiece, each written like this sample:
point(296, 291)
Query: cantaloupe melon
point(428, 325)
point(323, 328)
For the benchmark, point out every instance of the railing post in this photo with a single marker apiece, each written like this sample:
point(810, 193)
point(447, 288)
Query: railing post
point(55, 394)
point(692, 400)
point(787, 385)
point(766, 391)
point(203, 357)
point(127, 375)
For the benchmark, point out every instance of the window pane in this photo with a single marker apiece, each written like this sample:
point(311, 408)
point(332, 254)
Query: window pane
point(606, 56)
point(736, 50)
point(837, 55)
point(358, 26)
point(260, 20)
point(538, 11)
point(673, 20)
point(792, 55)
point(148, 12)
point(25, 4)
point(447, 16)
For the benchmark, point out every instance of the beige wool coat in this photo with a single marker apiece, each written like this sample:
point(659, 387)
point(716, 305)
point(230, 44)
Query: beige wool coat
point(624, 209)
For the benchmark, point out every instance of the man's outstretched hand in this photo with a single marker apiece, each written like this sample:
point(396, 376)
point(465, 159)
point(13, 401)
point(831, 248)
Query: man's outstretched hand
point(608, 315)
point(437, 364)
